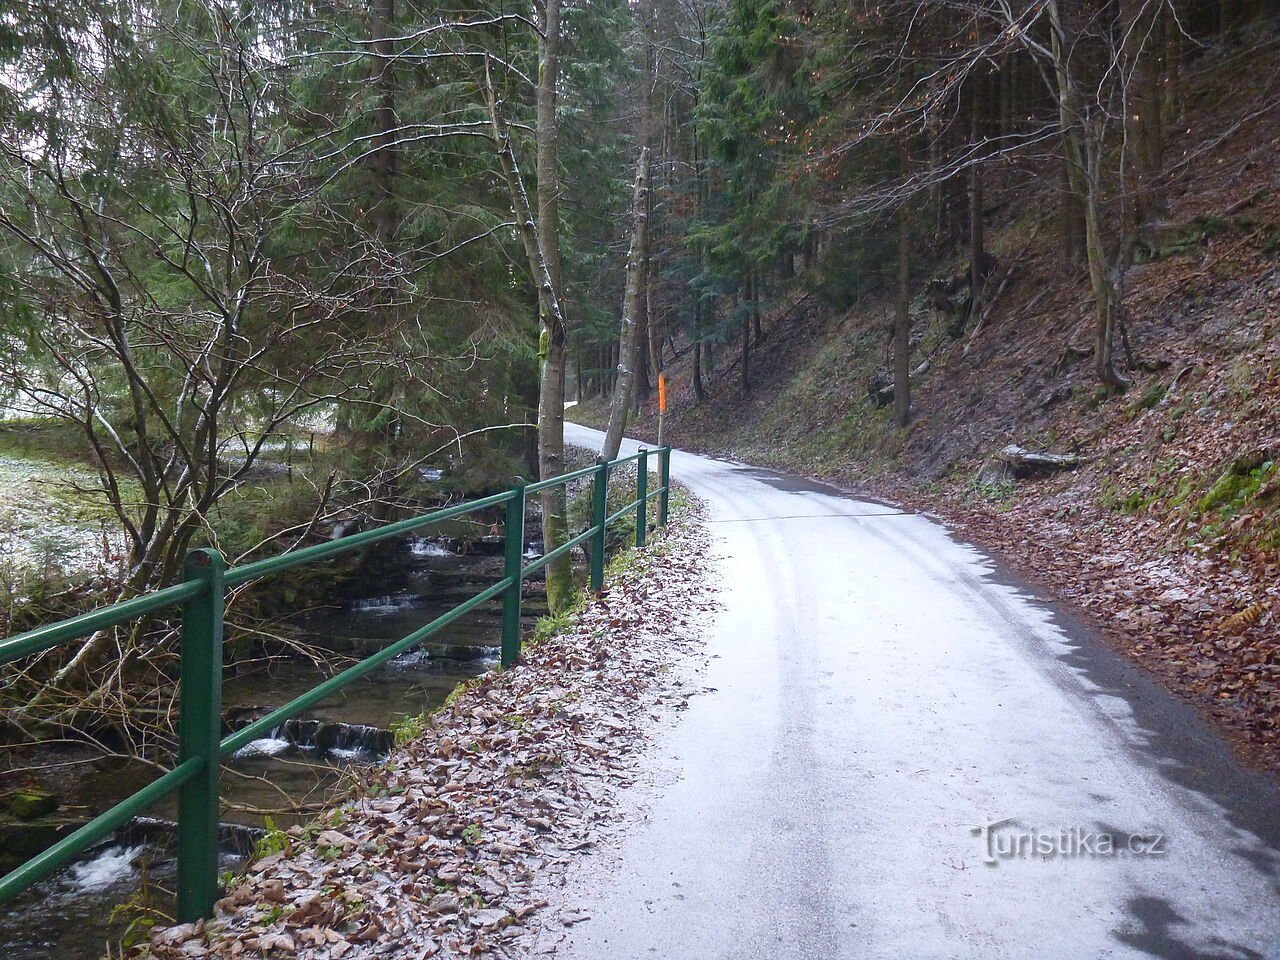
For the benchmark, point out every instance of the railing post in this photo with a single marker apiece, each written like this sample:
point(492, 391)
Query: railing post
point(514, 561)
point(665, 498)
point(199, 733)
point(599, 514)
point(642, 494)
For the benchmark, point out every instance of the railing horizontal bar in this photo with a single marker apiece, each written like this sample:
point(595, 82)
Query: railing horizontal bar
point(286, 561)
point(565, 547)
point(68, 848)
point(42, 638)
point(653, 452)
point(258, 728)
point(556, 481)
point(623, 512)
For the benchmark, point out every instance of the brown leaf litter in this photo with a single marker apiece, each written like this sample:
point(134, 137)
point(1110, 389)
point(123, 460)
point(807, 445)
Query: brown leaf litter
point(515, 777)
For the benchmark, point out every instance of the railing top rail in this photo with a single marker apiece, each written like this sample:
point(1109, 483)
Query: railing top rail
point(321, 551)
point(642, 452)
point(49, 636)
point(201, 750)
point(564, 478)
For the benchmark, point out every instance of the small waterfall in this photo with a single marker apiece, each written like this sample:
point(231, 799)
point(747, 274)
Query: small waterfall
point(340, 741)
point(235, 840)
point(422, 547)
point(105, 869)
point(389, 603)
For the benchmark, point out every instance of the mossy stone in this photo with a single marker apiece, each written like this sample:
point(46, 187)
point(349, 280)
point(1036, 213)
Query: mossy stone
point(28, 804)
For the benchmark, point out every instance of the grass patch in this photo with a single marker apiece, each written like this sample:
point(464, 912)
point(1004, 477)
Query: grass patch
point(36, 438)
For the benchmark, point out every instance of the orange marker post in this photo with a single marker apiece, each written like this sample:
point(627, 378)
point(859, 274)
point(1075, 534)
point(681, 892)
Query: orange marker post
point(662, 406)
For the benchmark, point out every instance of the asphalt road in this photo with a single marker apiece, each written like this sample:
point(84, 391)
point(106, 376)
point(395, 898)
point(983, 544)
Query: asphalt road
point(878, 690)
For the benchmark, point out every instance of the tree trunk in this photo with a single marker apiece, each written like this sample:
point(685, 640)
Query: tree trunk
point(902, 323)
point(1071, 219)
point(1142, 53)
point(1082, 143)
point(551, 341)
point(1171, 105)
point(977, 238)
point(389, 395)
point(937, 196)
point(698, 390)
point(1105, 299)
point(628, 337)
point(384, 160)
point(555, 510)
point(757, 333)
point(643, 387)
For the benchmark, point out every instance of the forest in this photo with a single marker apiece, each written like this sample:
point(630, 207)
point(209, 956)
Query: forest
point(276, 271)
point(410, 228)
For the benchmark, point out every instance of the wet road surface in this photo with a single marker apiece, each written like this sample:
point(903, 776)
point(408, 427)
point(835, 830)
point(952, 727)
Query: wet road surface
point(878, 691)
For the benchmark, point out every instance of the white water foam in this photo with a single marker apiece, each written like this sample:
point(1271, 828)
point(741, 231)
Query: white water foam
point(265, 747)
point(381, 605)
point(348, 753)
point(105, 870)
point(422, 547)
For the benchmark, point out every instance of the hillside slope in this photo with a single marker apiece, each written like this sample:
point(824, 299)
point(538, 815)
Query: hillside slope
point(1168, 533)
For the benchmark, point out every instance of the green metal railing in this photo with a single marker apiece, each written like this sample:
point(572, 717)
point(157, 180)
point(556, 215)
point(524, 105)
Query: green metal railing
point(201, 746)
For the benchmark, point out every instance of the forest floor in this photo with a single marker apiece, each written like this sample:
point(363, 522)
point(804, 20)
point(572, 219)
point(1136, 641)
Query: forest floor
point(1167, 536)
point(53, 522)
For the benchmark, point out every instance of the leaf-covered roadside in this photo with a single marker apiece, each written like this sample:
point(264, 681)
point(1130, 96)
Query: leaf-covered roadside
point(510, 781)
point(1201, 619)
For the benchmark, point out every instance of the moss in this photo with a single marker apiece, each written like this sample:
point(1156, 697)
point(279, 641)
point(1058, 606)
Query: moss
point(994, 491)
point(1182, 491)
point(1108, 496)
point(1138, 501)
point(1272, 245)
point(1204, 227)
point(550, 625)
point(30, 804)
point(409, 728)
point(1236, 488)
point(1150, 397)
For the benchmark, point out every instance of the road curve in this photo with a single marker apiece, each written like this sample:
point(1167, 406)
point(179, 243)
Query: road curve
point(876, 691)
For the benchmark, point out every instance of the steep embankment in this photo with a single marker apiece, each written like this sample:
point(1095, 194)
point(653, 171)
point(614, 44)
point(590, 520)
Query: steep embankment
point(1168, 533)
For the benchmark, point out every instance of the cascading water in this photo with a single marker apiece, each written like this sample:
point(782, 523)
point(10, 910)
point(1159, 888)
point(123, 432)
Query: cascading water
point(68, 916)
point(342, 741)
point(111, 866)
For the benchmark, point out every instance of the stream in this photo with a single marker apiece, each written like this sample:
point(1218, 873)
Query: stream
point(307, 761)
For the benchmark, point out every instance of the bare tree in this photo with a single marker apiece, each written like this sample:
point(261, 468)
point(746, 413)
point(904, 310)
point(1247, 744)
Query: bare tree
point(184, 293)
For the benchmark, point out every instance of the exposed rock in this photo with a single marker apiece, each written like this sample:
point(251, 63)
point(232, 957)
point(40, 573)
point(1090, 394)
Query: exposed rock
point(29, 803)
